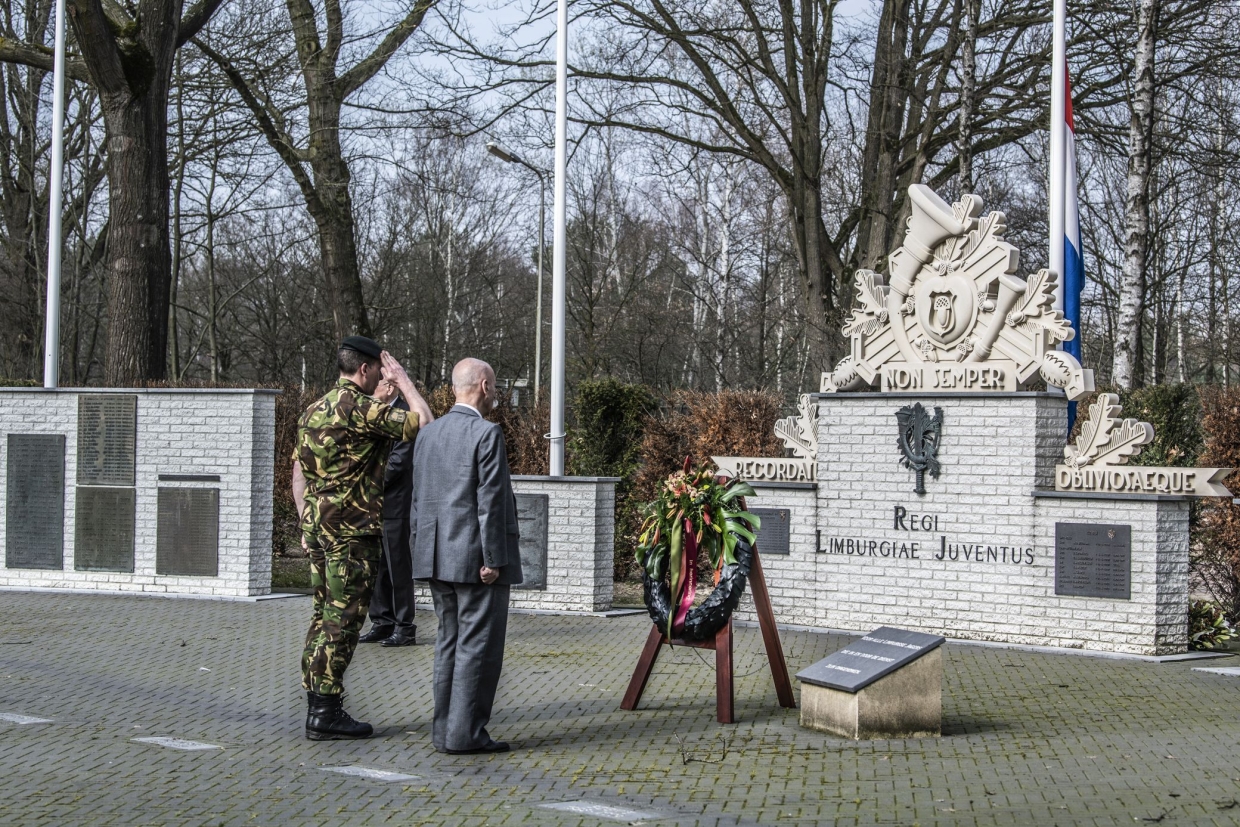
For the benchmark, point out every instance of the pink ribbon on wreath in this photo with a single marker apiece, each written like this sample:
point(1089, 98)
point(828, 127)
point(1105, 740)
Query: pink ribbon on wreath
point(688, 579)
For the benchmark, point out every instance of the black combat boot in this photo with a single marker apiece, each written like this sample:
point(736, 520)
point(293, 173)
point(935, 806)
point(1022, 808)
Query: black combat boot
point(326, 720)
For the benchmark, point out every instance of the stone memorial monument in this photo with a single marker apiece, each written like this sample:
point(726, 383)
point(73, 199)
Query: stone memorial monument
point(944, 500)
point(886, 684)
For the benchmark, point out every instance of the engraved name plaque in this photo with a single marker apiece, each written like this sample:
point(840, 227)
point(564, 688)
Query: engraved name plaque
point(107, 436)
point(532, 520)
point(869, 658)
point(34, 508)
point(104, 533)
point(773, 537)
point(1093, 560)
point(188, 535)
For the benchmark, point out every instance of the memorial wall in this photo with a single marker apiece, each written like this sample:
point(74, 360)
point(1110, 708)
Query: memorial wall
point(163, 491)
point(945, 498)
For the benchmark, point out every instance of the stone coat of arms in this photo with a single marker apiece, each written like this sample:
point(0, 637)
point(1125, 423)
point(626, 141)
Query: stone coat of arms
point(953, 315)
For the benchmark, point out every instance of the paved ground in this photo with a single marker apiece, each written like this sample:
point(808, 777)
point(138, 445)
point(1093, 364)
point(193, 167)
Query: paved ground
point(1029, 738)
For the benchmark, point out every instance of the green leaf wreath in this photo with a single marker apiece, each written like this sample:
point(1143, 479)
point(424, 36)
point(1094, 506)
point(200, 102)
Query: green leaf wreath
point(696, 513)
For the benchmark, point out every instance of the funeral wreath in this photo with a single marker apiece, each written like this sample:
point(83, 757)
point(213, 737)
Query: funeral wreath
point(697, 515)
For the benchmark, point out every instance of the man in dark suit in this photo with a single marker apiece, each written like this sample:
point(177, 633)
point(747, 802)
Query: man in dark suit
point(391, 605)
point(465, 544)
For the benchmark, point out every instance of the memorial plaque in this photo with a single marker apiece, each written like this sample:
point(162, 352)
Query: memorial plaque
point(34, 508)
point(187, 540)
point(869, 658)
point(107, 438)
point(104, 533)
point(1093, 560)
point(532, 520)
point(773, 537)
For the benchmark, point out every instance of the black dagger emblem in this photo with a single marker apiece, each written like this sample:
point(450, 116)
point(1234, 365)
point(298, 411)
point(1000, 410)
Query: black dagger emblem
point(919, 441)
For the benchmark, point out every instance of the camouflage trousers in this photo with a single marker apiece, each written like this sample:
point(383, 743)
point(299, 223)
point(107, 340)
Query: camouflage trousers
point(342, 572)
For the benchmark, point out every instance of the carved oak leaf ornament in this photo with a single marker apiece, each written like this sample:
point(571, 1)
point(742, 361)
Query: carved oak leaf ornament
point(1105, 439)
point(1036, 309)
point(871, 313)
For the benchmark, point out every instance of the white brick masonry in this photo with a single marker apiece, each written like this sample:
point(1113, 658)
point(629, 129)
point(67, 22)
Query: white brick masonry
point(790, 578)
point(996, 451)
point(179, 431)
point(580, 543)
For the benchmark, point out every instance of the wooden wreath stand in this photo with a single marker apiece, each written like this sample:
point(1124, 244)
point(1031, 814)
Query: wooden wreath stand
point(722, 644)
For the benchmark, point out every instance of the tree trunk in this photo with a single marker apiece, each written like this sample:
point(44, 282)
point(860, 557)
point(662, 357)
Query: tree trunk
point(139, 266)
point(333, 214)
point(968, 85)
point(1125, 370)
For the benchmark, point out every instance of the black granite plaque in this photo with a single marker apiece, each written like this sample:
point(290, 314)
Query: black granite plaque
point(532, 520)
point(773, 537)
point(104, 529)
point(34, 507)
point(1093, 560)
point(869, 658)
point(187, 541)
point(107, 438)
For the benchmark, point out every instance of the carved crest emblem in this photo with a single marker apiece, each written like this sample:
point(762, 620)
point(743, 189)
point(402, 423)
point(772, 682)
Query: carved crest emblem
point(918, 441)
point(952, 315)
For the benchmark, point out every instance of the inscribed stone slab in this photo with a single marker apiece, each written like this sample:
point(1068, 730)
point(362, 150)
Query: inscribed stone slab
point(532, 521)
point(34, 506)
point(1093, 560)
point(104, 535)
point(869, 658)
point(107, 438)
point(188, 537)
point(774, 536)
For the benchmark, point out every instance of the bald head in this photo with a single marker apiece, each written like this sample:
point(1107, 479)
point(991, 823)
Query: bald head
point(473, 382)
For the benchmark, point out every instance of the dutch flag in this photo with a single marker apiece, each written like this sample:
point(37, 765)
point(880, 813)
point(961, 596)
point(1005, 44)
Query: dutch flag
point(1073, 263)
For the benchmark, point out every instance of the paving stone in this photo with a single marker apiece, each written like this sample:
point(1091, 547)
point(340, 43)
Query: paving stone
point(1028, 738)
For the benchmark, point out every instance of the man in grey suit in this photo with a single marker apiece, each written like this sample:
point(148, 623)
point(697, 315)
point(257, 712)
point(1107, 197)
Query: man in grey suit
point(465, 537)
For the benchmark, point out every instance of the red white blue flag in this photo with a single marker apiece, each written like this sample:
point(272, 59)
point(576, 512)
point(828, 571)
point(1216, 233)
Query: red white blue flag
point(1073, 263)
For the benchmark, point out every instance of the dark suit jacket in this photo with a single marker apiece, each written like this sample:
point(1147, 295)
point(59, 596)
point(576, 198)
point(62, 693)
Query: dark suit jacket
point(464, 512)
point(398, 476)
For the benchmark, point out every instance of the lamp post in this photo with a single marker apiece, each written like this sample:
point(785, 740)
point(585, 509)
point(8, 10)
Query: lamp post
point(503, 154)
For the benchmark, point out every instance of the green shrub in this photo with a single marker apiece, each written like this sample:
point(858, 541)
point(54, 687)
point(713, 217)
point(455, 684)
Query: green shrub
point(1175, 412)
point(1208, 625)
point(606, 442)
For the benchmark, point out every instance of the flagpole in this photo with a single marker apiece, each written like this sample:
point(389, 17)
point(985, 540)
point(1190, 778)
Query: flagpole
point(51, 333)
point(1055, 176)
point(560, 242)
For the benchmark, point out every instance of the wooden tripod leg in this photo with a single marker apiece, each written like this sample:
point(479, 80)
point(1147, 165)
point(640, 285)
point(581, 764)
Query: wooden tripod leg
point(724, 707)
point(645, 665)
point(770, 634)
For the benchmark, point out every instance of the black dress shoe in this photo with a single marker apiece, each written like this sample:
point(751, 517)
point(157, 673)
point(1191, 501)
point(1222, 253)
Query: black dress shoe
point(494, 746)
point(376, 634)
point(402, 637)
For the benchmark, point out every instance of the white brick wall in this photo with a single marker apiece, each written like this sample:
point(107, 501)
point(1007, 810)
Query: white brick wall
point(789, 578)
point(580, 542)
point(995, 451)
point(179, 431)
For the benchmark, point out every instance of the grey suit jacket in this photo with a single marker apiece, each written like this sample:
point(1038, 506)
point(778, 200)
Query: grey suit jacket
point(464, 513)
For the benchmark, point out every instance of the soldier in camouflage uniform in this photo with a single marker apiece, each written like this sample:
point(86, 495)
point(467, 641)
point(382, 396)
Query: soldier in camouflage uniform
point(343, 441)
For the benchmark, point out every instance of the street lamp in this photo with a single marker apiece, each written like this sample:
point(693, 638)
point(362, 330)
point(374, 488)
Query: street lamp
point(506, 156)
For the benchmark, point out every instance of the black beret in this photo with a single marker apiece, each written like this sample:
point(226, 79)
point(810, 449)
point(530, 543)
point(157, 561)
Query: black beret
point(364, 346)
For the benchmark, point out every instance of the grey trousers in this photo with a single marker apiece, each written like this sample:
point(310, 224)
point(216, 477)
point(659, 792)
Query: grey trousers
point(392, 601)
point(469, 655)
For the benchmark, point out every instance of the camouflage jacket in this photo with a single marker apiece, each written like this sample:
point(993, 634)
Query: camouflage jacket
point(343, 441)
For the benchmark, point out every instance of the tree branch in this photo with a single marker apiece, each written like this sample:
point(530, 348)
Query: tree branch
point(356, 77)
